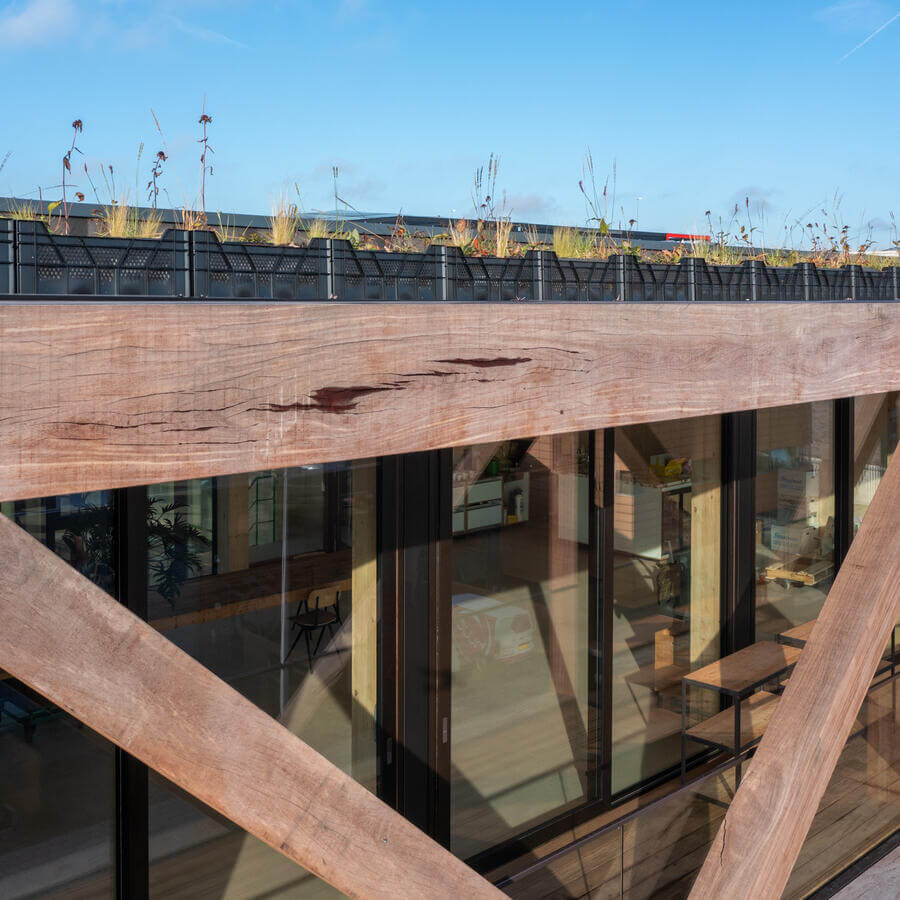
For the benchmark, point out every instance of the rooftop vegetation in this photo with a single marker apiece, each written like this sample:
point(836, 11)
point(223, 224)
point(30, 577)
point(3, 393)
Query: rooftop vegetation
point(819, 235)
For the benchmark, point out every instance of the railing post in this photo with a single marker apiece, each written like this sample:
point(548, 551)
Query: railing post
point(7, 256)
point(443, 292)
point(26, 257)
point(537, 274)
point(622, 277)
point(198, 242)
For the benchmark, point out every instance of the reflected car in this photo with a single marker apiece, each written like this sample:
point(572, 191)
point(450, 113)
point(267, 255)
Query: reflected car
point(484, 629)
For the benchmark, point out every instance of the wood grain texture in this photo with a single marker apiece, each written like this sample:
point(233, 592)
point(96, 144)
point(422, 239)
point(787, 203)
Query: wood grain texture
point(105, 395)
point(765, 826)
point(86, 653)
point(751, 665)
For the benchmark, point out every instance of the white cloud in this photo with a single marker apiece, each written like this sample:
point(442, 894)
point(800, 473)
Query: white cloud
point(36, 22)
point(852, 15)
point(204, 34)
point(27, 23)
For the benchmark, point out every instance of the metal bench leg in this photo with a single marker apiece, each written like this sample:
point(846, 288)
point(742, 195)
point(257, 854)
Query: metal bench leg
point(300, 633)
point(737, 741)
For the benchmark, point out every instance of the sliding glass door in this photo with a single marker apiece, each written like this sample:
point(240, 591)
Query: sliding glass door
point(665, 619)
point(795, 515)
point(522, 729)
point(269, 579)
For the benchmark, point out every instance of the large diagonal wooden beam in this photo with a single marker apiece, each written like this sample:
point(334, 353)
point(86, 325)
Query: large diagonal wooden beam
point(103, 395)
point(765, 826)
point(86, 653)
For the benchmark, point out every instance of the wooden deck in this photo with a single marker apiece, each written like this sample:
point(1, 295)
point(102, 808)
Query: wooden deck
point(659, 854)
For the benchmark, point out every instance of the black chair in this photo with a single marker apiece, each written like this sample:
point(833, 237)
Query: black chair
point(317, 613)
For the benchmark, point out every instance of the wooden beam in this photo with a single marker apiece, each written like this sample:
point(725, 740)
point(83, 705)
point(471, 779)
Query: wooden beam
point(104, 395)
point(90, 656)
point(765, 826)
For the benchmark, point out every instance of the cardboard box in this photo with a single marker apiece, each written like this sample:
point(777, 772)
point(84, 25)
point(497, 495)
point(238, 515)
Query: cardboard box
point(794, 539)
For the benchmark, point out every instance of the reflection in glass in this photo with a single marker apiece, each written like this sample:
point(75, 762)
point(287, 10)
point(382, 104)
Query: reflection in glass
point(794, 515)
point(666, 574)
point(57, 778)
point(272, 586)
point(520, 739)
point(876, 422)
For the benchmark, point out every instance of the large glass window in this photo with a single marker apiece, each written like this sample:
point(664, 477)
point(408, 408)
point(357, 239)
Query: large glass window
point(269, 580)
point(57, 778)
point(794, 515)
point(666, 585)
point(521, 723)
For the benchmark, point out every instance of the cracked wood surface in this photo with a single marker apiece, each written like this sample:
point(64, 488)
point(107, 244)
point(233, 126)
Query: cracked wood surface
point(90, 656)
point(103, 395)
point(765, 826)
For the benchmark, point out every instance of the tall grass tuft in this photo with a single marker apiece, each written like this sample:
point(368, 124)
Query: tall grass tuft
point(570, 243)
point(460, 234)
point(318, 228)
point(502, 232)
point(284, 221)
point(23, 211)
point(120, 219)
point(227, 232)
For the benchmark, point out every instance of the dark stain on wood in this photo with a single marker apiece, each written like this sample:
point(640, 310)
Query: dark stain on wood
point(332, 399)
point(487, 363)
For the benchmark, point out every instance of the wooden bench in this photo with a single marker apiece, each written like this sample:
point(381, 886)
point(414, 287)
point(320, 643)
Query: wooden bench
point(738, 676)
point(799, 635)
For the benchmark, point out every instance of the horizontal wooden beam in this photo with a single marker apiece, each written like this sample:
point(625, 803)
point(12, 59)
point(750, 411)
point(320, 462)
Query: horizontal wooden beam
point(105, 395)
point(764, 829)
point(86, 653)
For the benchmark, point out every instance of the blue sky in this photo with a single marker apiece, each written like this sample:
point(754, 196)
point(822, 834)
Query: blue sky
point(700, 105)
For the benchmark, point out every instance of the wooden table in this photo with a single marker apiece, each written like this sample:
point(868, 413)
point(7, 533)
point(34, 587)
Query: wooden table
point(799, 635)
point(796, 636)
point(737, 676)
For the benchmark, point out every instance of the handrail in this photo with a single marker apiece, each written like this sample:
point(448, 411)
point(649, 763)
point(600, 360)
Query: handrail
point(766, 824)
point(74, 644)
point(624, 819)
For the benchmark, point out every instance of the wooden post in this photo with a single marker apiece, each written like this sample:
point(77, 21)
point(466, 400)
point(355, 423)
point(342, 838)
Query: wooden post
point(706, 530)
point(364, 600)
point(234, 522)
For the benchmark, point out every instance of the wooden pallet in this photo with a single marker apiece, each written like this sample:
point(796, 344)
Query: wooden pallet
point(801, 570)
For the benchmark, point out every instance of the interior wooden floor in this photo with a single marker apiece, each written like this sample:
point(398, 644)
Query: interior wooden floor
point(659, 853)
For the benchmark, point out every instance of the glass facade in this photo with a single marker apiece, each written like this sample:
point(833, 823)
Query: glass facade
point(795, 526)
point(666, 585)
point(520, 600)
point(269, 580)
point(512, 619)
point(57, 778)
